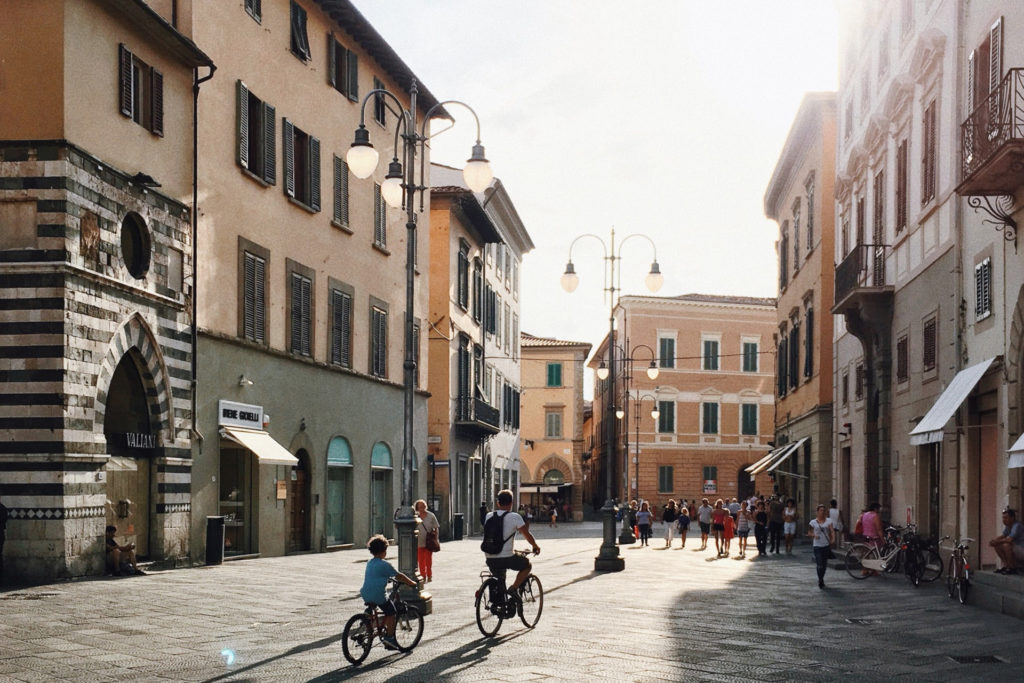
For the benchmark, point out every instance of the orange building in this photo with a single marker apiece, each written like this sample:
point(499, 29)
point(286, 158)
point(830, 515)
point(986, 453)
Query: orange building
point(713, 393)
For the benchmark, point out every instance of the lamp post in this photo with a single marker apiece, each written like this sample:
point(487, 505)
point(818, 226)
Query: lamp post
point(655, 414)
point(399, 189)
point(622, 413)
point(608, 558)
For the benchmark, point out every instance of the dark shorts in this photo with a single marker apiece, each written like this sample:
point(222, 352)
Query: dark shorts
point(387, 607)
point(498, 565)
point(705, 528)
point(718, 527)
point(744, 533)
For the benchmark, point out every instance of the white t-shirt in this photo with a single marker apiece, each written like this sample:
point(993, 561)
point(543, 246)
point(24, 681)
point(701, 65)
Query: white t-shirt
point(821, 532)
point(511, 522)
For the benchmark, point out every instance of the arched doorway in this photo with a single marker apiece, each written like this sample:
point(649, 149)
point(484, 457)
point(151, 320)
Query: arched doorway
point(131, 443)
point(298, 512)
point(339, 491)
point(381, 466)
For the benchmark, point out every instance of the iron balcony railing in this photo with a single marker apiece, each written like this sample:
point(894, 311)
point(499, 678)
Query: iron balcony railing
point(996, 122)
point(474, 412)
point(863, 267)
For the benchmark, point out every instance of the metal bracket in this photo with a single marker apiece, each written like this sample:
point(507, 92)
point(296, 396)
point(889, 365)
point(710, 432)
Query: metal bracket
point(1000, 210)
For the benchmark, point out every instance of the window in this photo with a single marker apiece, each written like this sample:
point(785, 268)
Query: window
point(710, 354)
point(794, 356)
point(379, 103)
point(554, 374)
point(928, 155)
point(301, 313)
point(750, 356)
point(784, 256)
point(380, 218)
point(666, 352)
point(861, 218)
point(341, 328)
point(666, 417)
point(497, 321)
point(478, 283)
point(515, 337)
point(507, 328)
point(256, 140)
point(983, 289)
point(748, 419)
point(340, 192)
point(810, 212)
point(254, 296)
point(508, 268)
point(253, 7)
point(878, 194)
point(845, 388)
point(796, 235)
point(141, 92)
point(984, 73)
point(515, 279)
point(342, 69)
point(300, 39)
point(462, 283)
point(665, 483)
point(710, 476)
point(136, 245)
point(782, 371)
point(553, 424)
point(490, 305)
point(378, 341)
point(499, 268)
point(845, 232)
point(301, 166)
point(902, 360)
point(858, 387)
point(709, 418)
point(930, 330)
point(809, 344)
point(901, 186)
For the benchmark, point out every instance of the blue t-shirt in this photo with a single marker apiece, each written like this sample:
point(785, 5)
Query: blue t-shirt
point(375, 580)
point(1015, 532)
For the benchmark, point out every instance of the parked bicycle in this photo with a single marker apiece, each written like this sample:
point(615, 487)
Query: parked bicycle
point(494, 603)
point(866, 559)
point(363, 628)
point(958, 578)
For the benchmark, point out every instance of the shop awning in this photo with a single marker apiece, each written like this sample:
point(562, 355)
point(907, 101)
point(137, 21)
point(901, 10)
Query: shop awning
point(930, 428)
point(765, 459)
point(538, 489)
point(1016, 453)
point(779, 456)
point(261, 444)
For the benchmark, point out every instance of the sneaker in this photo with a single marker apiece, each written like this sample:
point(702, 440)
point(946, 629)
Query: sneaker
point(389, 643)
point(139, 572)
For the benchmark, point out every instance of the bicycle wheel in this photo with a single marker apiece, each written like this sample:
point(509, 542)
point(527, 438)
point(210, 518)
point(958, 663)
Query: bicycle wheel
point(932, 568)
point(357, 638)
point(488, 616)
point(531, 595)
point(963, 583)
point(854, 557)
point(913, 566)
point(408, 628)
point(951, 577)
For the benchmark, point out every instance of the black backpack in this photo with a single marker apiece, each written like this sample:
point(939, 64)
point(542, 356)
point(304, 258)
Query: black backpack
point(494, 536)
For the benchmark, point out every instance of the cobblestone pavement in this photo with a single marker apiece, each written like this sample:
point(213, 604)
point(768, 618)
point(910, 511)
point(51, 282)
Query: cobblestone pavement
point(672, 615)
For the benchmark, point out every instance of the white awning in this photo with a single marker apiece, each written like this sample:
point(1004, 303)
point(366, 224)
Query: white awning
point(771, 454)
point(930, 428)
point(784, 456)
point(1016, 453)
point(775, 458)
point(538, 489)
point(268, 451)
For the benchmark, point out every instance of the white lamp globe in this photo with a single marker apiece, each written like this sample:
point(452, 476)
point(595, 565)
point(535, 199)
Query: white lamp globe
point(570, 281)
point(391, 190)
point(477, 173)
point(654, 279)
point(602, 371)
point(652, 372)
point(619, 413)
point(362, 160)
point(655, 413)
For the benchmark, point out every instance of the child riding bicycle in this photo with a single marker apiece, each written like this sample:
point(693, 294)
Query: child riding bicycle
point(375, 580)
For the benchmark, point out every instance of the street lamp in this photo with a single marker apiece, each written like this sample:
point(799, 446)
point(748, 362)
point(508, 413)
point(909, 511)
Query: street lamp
point(400, 187)
point(626, 534)
point(655, 414)
point(608, 558)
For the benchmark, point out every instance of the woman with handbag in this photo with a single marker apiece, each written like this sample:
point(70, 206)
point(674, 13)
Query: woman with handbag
point(427, 542)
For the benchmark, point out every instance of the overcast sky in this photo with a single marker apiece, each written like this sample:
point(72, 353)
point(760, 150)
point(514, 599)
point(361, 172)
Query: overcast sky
point(664, 118)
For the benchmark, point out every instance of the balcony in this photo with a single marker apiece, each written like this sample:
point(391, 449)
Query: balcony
point(861, 282)
point(476, 418)
point(992, 141)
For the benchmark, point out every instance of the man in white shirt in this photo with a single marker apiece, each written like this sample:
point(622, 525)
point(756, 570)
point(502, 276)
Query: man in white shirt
point(506, 559)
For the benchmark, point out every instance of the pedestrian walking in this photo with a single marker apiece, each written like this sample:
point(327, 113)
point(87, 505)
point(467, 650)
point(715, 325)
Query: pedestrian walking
point(761, 529)
point(871, 526)
point(668, 517)
point(683, 525)
point(789, 517)
point(727, 534)
point(822, 535)
point(704, 519)
point(718, 515)
point(743, 524)
point(774, 524)
point(838, 525)
point(554, 516)
point(734, 508)
point(643, 522)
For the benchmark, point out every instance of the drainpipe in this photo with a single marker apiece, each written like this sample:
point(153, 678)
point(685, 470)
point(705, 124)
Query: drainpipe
point(196, 82)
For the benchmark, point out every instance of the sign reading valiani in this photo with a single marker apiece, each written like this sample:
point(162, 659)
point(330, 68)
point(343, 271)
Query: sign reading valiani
point(231, 414)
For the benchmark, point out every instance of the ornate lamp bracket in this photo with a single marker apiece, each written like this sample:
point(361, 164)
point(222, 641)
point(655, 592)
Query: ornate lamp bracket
point(999, 209)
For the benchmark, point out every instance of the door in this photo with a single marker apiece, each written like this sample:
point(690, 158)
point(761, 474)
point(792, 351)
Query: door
point(986, 494)
point(298, 503)
point(380, 488)
point(845, 470)
point(339, 503)
point(236, 473)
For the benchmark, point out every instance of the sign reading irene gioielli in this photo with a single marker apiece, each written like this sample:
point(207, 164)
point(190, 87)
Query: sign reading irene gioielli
point(233, 414)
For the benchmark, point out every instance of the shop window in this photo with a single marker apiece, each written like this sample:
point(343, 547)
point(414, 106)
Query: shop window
point(339, 492)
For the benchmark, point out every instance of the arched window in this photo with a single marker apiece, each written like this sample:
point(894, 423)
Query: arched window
point(554, 478)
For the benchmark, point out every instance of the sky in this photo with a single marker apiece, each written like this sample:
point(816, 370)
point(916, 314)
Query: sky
point(660, 117)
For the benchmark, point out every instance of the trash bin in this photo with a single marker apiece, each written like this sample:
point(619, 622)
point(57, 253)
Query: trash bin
point(458, 524)
point(214, 540)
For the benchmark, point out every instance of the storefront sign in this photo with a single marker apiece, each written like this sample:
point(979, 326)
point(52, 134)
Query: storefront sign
point(233, 414)
point(710, 486)
point(134, 440)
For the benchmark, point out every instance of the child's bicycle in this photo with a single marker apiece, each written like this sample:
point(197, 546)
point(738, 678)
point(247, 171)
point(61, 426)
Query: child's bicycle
point(494, 604)
point(363, 628)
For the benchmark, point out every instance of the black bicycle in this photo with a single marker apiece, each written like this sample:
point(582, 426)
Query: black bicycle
point(363, 628)
point(494, 603)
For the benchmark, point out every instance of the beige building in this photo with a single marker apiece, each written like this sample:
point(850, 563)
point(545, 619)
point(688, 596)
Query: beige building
point(554, 465)
point(714, 394)
point(798, 200)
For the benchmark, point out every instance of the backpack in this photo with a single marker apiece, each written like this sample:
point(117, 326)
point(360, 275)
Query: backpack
point(494, 536)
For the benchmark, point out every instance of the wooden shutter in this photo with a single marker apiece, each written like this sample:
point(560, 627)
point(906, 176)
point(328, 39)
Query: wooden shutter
point(352, 82)
point(929, 345)
point(995, 56)
point(971, 82)
point(242, 107)
point(125, 80)
point(332, 60)
point(288, 149)
point(901, 359)
point(983, 289)
point(378, 217)
point(249, 297)
point(259, 301)
point(296, 317)
point(156, 84)
point(269, 144)
point(306, 291)
point(314, 173)
point(809, 344)
point(340, 191)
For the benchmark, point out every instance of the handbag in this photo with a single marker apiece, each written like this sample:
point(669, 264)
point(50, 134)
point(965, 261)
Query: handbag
point(859, 528)
point(432, 543)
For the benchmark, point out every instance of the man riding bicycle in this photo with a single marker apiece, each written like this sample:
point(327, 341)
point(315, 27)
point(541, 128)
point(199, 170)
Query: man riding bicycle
point(511, 522)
